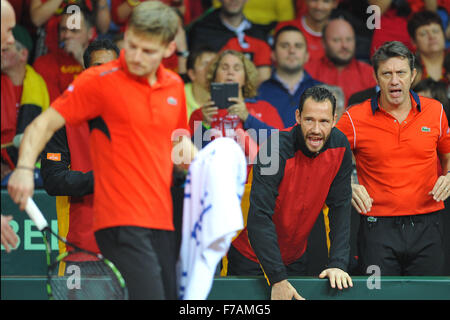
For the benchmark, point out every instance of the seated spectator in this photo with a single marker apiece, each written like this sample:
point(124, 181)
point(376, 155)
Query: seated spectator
point(267, 11)
point(197, 91)
point(393, 23)
point(339, 96)
point(289, 79)
point(121, 11)
point(67, 174)
point(24, 95)
point(228, 28)
point(434, 89)
point(427, 33)
point(339, 66)
point(48, 13)
point(60, 67)
point(247, 112)
point(311, 24)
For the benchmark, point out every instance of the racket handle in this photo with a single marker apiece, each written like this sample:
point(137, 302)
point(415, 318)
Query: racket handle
point(36, 215)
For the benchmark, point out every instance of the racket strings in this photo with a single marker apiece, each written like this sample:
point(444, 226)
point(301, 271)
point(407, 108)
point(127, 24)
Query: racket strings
point(87, 281)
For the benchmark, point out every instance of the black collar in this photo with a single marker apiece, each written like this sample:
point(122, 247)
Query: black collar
point(374, 101)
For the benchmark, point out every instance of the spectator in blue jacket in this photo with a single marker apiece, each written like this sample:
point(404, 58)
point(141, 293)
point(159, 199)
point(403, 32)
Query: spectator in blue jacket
point(289, 79)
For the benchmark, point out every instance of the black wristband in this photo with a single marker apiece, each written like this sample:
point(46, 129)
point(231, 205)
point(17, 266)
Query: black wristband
point(183, 54)
point(25, 168)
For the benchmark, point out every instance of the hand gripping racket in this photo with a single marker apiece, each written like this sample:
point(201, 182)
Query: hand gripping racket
point(99, 280)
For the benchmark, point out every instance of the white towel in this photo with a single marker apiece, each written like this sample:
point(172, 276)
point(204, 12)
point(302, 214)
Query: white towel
point(211, 214)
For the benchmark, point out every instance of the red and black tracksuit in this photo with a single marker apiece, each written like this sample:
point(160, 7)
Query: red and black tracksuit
point(285, 205)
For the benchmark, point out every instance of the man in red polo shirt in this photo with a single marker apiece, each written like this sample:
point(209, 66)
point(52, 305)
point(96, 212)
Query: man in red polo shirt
point(339, 67)
point(134, 105)
point(396, 138)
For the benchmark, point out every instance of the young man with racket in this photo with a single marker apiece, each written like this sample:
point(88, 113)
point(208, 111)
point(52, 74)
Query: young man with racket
point(134, 105)
point(66, 170)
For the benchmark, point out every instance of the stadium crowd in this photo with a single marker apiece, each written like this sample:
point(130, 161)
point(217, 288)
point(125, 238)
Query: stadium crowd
point(275, 50)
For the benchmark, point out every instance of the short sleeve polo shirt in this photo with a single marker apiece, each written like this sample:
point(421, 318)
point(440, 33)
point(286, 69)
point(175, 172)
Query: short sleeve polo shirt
point(131, 126)
point(398, 162)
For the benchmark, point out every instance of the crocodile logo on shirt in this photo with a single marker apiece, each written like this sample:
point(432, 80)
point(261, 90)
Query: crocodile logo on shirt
point(172, 101)
point(426, 129)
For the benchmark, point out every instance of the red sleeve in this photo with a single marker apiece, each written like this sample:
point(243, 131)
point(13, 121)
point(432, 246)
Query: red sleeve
point(271, 116)
point(196, 116)
point(345, 124)
point(114, 5)
point(443, 145)
point(262, 53)
point(48, 69)
point(81, 101)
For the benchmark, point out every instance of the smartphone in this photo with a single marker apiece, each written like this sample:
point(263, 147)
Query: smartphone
point(220, 92)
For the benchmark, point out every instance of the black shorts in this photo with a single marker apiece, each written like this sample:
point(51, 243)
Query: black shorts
point(146, 258)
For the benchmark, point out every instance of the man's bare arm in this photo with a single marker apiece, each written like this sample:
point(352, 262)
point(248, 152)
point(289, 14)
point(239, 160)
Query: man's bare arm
point(36, 136)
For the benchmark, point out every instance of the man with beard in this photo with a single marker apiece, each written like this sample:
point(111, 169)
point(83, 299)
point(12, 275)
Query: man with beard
point(288, 80)
point(339, 66)
point(315, 165)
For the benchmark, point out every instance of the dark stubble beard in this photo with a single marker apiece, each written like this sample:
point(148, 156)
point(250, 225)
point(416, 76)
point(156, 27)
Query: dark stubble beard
point(338, 61)
point(291, 70)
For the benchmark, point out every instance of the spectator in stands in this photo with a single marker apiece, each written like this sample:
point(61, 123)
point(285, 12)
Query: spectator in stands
point(228, 28)
point(339, 66)
point(121, 10)
point(247, 112)
point(396, 138)
point(197, 91)
point(315, 165)
point(393, 23)
point(25, 99)
point(59, 68)
point(311, 24)
point(9, 238)
point(46, 13)
point(434, 89)
point(66, 169)
point(269, 11)
point(289, 79)
point(427, 34)
point(340, 99)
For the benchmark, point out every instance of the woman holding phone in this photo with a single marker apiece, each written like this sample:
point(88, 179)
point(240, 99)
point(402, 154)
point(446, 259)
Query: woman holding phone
point(245, 112)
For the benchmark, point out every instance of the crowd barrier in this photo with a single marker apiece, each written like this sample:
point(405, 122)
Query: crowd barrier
point(23, 270)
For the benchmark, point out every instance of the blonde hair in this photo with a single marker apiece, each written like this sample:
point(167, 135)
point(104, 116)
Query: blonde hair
point(251, 74)
point(156, 19)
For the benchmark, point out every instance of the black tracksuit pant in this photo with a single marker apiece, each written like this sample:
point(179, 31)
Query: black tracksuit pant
point(402, 246)
point(146, 258)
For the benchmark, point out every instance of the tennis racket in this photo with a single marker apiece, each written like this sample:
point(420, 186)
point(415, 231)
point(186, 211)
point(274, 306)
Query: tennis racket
point(99, 280)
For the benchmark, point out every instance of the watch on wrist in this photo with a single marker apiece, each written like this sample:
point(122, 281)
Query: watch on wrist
point(183, 54)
